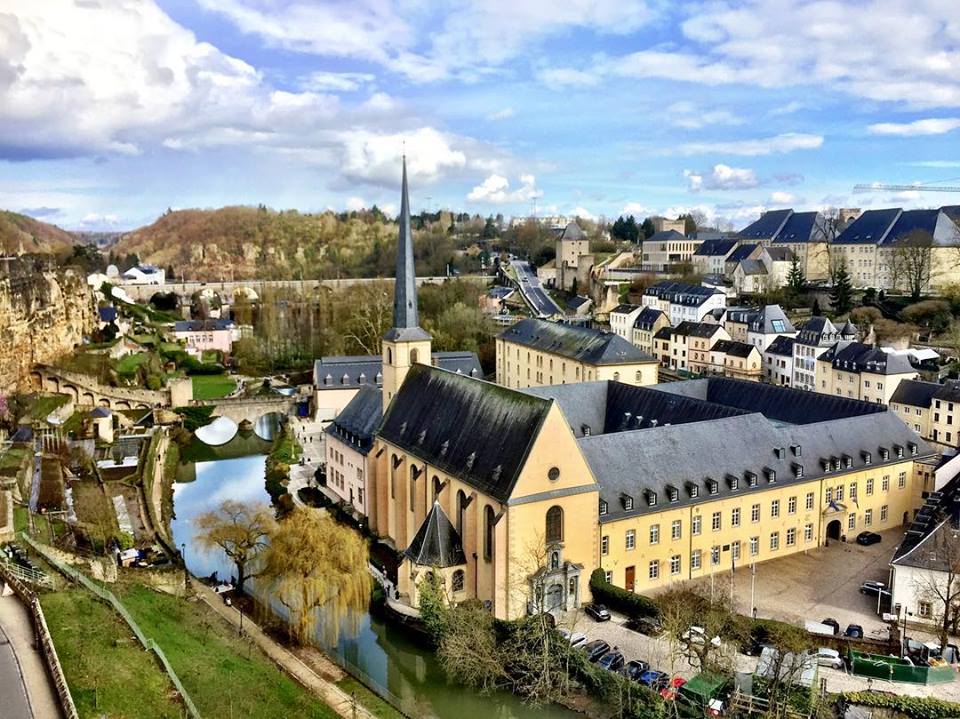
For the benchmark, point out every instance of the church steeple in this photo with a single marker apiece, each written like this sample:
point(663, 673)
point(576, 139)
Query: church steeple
point(406, 342)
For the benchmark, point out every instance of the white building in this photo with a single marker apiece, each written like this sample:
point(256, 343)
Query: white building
point(814, 338)
point(622, 318)
point(681, 302)
point(144, 275)
point(778, 361)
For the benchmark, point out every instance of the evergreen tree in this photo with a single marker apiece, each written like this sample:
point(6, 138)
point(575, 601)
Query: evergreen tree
point(841, 297)
point(815, 310)
point(648, 228)
point(795, 277)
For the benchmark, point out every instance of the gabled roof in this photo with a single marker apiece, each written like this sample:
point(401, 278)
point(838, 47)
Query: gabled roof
point(351, 371)
point(781, 345)
point(437, 543)
point(918, 393)
point(769, 319)
point(741, 253)
point(571, 232)
point(734, 348)
point(930, 537)
point(665, 236)
point(680, 293)
point(858, 357)
point(870, 228)
point(578, 301)
point(100, 412)
point(801, 227)
point(647, 317)
point(752, 267)
point(624, 309)
point(477, 431)
point(716, 248)
point(596, 347)
point(779, 254)
point(818, 332)
point(357, 423)
point(696, 329)
point(211, 325)
point(767, 227)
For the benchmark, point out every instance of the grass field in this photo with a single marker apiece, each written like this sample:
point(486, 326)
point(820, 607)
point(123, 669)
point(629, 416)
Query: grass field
point(11, 459)
point(212, 386)
point(44, 404)
point(129, 364)
point(109, 673)
point(225, 675)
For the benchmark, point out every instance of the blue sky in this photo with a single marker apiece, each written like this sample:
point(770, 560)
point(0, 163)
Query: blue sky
point(111, 111)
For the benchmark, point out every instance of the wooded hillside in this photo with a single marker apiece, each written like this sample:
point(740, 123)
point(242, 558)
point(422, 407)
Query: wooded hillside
point(33, 235)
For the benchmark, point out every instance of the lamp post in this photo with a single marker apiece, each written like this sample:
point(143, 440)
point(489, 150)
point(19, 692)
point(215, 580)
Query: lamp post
point(186, 572)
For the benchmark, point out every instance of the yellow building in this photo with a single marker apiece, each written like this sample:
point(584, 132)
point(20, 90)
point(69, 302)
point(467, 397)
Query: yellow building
point(931, 410)
point(645, 327)
point(735, 359)
point(859, 371)
point(572, 251)
point(537, 352)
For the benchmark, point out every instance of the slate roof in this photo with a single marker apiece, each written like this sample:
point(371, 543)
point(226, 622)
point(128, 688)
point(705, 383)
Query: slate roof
point(767, 227)
point(687, 328)
point(715, 248)
point(596, 347)
point(818, 332)
point(211, 325)
point(477, 431)
point(752, 267)
point(858, 357)
point(100, 412)
point(664, 333)
point(500, 293)
point(624, 309)
point(577, 301)
point(665, 236)
point(647, 317)
point(779, 254)
point(350, 371)
point(406, 318)
point(870, 228)
point(734, 348)
point(357, 423)
point(782, 345)
point(741, 253)
point(680, 293)
point(108, 314)
point(571, 232)
point(437, 543)
point(802, 227)
point(680, 457)
point(918, 393)
point(769, 319)
point(923, 544)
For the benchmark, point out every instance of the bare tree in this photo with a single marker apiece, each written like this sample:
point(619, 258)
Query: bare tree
point(713, 648)
point(911, 262)
point(831, 226)
point(371, 317)
point(240, 531)
point(939, 582)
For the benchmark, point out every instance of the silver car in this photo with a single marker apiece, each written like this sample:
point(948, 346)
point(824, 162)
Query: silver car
point(829, 658)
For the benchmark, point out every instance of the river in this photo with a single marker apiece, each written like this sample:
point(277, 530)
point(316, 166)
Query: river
point(380, 651)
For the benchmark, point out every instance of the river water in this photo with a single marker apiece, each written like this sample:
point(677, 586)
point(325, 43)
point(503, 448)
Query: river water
point(380, 651)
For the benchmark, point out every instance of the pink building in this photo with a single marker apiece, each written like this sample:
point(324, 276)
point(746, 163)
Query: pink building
point(203, 335)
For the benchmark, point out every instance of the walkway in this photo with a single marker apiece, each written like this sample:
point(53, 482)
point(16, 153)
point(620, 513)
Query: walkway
point(24, 684)
point(331, 695)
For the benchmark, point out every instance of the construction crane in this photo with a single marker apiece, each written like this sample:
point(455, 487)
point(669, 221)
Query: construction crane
point(906, 188)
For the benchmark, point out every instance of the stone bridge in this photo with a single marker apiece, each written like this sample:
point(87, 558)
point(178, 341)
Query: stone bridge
point(248, 409)
point(84, 389)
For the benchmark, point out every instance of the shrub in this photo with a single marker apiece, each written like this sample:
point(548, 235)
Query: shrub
point(633, 605)
point(912, 707)
point(194, 417)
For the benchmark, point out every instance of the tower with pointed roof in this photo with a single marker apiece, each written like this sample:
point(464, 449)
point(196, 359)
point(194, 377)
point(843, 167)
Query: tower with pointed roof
point(405, 343)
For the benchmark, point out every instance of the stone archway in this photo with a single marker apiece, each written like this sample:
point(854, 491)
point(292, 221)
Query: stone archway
point(71, 391)
point(87, 399)
point(104, 402)
point(123, 404)
point(834, 528)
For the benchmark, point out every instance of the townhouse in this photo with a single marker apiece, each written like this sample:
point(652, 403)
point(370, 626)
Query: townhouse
point(682, 301)
point(859, 371)
point(931, 410)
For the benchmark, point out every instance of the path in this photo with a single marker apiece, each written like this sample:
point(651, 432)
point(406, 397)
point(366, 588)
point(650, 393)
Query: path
point(24, 684)
point(331, 695)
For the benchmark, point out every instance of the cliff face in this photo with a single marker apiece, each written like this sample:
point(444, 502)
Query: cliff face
point(44, 314)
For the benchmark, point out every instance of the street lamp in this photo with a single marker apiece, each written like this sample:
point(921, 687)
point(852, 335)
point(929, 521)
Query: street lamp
point(186, 572)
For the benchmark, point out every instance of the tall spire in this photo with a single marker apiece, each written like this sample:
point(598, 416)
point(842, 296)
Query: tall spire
point(406, 320)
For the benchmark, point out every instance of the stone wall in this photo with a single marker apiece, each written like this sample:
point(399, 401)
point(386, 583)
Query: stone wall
point(44, 314)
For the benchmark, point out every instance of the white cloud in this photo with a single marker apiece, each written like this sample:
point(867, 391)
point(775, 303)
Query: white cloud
point(503, 114)
point(778, 144)
point(335, 81)
point(788, 109)
point(721, 177)
point(355, 204)
point(567, 77)
point(374, 157)
point(635, 209)
point(581, 212)
point(782, 198)
point(690, 116)
point(496, 190)
point(94, 219)
point(929, 126)
point(936, 163)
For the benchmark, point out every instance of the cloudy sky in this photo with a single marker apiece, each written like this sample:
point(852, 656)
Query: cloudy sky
point(112, 111)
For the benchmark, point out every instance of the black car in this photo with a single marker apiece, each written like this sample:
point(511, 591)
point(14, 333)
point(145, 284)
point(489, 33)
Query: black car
point(644, 625)
point(596, 649)
point(832, 623)
point(854, 631)
point(872, 587)
point(611, 660)
point(598, 612)
point(868, 538)
point(632, 670)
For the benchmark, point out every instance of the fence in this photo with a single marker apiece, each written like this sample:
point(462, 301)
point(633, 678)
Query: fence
point(45, 641)
point(898, 670)
point(108, 597)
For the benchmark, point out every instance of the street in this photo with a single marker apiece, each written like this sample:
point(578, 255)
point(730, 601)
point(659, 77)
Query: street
point(532, 291)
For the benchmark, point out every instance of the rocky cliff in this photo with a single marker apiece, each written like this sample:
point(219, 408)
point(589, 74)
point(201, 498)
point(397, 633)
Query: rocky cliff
point(44, 314)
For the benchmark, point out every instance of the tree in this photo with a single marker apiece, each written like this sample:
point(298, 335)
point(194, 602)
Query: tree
point(468, 648)
point(648, 228)
point(489, 230)
point(681, 609)
point(625, 230)
point(931, 314)
point(795, 276)
point(911, 261)
point(241, 531)
point(831, 225)
point(316, 567)
point(939, 583)
point(371, 317)
point(815, 309)
point(841, 296)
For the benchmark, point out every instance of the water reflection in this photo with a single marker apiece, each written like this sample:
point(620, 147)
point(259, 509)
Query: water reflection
point(267, 426)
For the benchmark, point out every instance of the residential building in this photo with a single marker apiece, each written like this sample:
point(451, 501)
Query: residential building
point(931, 410)
point(802, 233)
point(816, 336)
point(711, 255)
point(859, 371)
point(144, 275)
point(579, 306)
point(622, 318)
point(738, 360)
point(348, 439)
point(872, 248)
point(572, 246)
point(758, 326)
point(203, 335)
point(682, 302)
point(689, 344)
point(667, 250)
point(647, 323)
point(536, 352)
point(778, 361)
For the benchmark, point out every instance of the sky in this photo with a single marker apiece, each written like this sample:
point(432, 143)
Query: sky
point(112, 111)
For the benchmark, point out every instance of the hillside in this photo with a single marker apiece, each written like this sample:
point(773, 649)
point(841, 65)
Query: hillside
point(263, 243)
point(35, 236)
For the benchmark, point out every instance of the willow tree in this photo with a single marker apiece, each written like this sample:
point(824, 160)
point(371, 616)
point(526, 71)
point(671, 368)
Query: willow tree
point(240, 530)
point(317, 569)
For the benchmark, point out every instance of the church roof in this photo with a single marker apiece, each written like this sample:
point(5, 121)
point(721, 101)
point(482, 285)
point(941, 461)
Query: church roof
point(596, 347)
point(474, 430)
point(351, 371)
point(358, 421)
point(437, 543)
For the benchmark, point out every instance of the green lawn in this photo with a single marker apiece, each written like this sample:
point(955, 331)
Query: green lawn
point(225, 675)
point(212, 386)
point(129, 364)
point(21, 519)
point(44, 404)
point(368, 700)
point(12, 458)
point(108, 672)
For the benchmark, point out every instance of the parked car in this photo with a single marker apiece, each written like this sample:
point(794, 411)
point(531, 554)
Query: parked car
point(868, 538)
point(854, 631)
point(596, 649)
point(833, 623)
point(755, 647)
point(645, 625)
point(669, 692)
point(654, 679)
point(697, 635)
point(611, 660)
point(598, 612)
point(872, 587)
point(827, 657)
point(634, 669)
point(577, 639)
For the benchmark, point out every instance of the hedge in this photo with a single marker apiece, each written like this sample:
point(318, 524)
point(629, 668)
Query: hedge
point(912, 707)
point(633, 605)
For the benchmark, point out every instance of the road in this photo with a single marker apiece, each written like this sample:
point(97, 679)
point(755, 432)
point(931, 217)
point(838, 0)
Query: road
point(26, 691)
point(533, 291)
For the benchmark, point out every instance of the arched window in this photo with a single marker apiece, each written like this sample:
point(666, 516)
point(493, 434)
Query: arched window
point(437, 487)
point(414, 356)
point(457, 583)
point(461, 511)
point(554, 525)
point(639, 376)
point(413, 487)
point(389, 355)
point(393, 476)
point(489, 519)
point(616, 376)
point(554, 560)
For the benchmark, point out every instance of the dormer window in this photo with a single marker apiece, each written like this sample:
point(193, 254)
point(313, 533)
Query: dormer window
point(751, 478)
point(627, 502)
point(771, 476)
point(781, 452)
point(795, 448)
point(836, 463)
point(847, 461)
point(797, 470)
point(884, 454)
point(712, 486)
point(345, 379)
point(867, 457)
point(603, 507)
point(651, 497)
point(912, 446)
point(898, 449)
point(733, 482)
point(585, 430)
point(825, 464)
point(673, 494)
point(693, 490)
